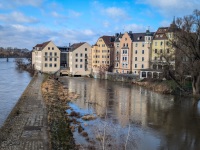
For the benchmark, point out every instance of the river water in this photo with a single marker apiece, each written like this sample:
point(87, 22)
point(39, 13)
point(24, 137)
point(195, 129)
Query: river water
point(12, 84)
point(131, 116)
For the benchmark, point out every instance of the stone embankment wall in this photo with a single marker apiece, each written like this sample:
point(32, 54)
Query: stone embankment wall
point(117, 77)
point(160, 87)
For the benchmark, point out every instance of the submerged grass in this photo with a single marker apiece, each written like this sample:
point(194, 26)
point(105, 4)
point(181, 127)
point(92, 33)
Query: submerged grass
point(56, 100)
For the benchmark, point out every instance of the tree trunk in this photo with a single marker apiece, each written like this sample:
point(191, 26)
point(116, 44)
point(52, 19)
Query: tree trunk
point(196, 85)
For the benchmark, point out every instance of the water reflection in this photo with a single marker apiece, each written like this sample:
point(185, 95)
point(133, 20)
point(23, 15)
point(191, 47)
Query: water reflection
point(164, 121)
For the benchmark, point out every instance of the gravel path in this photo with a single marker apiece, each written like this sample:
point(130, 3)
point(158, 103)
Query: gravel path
point(26, 127)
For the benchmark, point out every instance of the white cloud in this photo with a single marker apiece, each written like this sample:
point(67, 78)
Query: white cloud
point(106, 24)
point(165, 23)
point(17, 17)
point(72, 13)
point(27, 37)
point(173, 7)
point(134, 28)
point(35, 3)
point(56, 14)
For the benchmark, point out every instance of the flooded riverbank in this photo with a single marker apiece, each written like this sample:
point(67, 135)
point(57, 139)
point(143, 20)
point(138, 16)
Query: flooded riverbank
point(133, 117)
point(12, 84)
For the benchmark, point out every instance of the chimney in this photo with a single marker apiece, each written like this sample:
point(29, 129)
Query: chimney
point(116, 34)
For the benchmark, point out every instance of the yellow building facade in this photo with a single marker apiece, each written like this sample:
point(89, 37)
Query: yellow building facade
point(103, 53)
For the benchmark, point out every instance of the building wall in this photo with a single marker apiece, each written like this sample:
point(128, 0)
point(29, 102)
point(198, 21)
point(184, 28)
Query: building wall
point(101, 55)
point(37, 60)
point(141, 55)
point(116, 57)
point(46, 59)
point(79, 62)
point(161, 48)
point(125, 64)
point(50, 58)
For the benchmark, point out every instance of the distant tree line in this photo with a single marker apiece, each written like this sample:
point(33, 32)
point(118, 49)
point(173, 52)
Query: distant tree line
point(14, 52)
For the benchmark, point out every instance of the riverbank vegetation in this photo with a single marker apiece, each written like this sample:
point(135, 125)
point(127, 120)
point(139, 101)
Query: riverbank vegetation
point(24, 64)
point(56, 98)
point(166, 86)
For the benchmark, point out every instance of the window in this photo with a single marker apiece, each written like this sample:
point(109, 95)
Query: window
point(135, 58)
point(155, 58)
point(50, 53)
point(81, 60)
point(125, 39)
point(142, 66)
point(108, 51)
point(108, 56)
point(136, 44)
point(76, 54)
point(46, 59)
point(135, 51)
point(55, 65)
point(155, 43)
point(52, 48)
point(50, 65)
point(107, 62)
point(126, 44)
point(167, 50)
point(48, 48)
point(81, 55)
point(80, 66)
point(142, 58)
point(85, 49)
point(161, 43)
point(76, 66)
point(76, 60)
point(160, 50)
point(55, 54)
point(155, 50)
point(55, 59)
point(45, 64)
point(142, 44)
point(85, 55)
point(135, 65)
point(50, 59)
point(142, 51)
point(46, 53)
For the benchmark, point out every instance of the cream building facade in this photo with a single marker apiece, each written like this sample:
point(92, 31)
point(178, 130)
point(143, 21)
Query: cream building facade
point(141, 51)
point(46, 57)
point(79, 59)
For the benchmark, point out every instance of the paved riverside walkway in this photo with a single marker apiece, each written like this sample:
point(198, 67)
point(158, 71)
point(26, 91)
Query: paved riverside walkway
point(26, 126)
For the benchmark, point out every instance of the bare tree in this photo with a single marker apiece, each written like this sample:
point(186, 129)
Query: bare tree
point(187, 48)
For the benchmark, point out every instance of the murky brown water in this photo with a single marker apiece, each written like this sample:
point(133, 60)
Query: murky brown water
point(133, 117)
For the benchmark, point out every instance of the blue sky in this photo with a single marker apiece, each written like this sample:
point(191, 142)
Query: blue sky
point(24, 23)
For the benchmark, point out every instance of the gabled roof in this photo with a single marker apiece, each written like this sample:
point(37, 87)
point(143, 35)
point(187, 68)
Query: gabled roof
point(76, 45)
point(161, 33)
point(118, 37)
point(109, 40)
point(138, 37)
point(41, 46)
